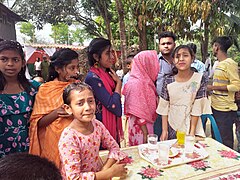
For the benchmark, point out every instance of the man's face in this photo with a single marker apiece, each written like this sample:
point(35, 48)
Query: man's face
point(215, 48)
point(166, 45)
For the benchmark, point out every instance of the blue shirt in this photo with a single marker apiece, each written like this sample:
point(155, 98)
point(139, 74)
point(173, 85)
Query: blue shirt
point(198, 65)
point(165, 69)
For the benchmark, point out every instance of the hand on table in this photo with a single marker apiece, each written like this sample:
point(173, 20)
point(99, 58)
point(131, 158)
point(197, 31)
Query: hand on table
point(118, 170)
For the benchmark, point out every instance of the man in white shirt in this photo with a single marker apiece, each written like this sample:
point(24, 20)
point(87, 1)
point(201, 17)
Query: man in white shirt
point(37, 66)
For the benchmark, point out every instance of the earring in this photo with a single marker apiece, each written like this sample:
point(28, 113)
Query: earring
point(96, 64)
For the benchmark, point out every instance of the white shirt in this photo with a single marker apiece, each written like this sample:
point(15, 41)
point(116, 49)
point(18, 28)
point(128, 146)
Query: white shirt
point(38, 65)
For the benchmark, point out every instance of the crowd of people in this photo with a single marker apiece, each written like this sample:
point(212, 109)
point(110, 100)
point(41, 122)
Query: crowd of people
point(66, 122)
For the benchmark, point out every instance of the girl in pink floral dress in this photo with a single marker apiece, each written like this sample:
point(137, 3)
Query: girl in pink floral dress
point(80, 141)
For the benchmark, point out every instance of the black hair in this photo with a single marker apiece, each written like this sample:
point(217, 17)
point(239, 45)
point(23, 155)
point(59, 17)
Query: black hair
point(97, 46)
point(175, 70)
point(15, 46)
point(60, 59)
point(183, 47)
point(225, 42)
point(129, 59)
point(80, 86)
point(27, 167)
point(165, 34)
point(193, 47)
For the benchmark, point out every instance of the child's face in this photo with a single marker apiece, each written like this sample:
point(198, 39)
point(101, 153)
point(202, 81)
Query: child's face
point(183, 59)
point(82, 105)
point(68, 72)
point(10, 63)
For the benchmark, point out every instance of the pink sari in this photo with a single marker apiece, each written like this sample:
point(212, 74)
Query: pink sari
point(140, 94)
point(111, 121)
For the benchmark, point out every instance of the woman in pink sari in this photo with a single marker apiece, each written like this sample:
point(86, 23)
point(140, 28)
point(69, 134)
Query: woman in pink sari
point(141, 97)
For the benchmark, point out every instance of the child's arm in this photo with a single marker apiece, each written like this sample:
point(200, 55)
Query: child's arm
point(108, 163)
point(52, 116)
point(116, 170)
point(164, 135)
point(145, 132)
point(193, 124)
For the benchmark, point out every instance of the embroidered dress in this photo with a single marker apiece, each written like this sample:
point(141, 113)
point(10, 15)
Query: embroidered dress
point(15, 111)
point(79, 153)
point(180, 100)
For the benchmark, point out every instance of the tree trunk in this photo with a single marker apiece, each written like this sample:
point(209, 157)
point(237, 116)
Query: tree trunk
point(105, 14)
point(142, 32)
point(122, 32)
point(204, 42)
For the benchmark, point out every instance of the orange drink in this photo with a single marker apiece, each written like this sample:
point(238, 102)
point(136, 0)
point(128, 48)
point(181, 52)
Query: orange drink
point(181, 137)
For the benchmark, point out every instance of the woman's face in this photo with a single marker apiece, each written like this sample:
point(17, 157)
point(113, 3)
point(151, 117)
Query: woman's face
point(183, 59)
point(106, 59)
point(69, 72)
point(11, 63)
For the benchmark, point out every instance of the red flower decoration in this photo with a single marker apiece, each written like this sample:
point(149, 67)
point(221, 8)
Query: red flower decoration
point(127, 160)
point(193, 155)
point(199, 165)
point(150, 172)
point(228, 154)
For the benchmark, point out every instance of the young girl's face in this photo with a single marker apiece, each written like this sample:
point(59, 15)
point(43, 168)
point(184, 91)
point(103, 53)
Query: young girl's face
point(107, 58)
point(82, 105)
point(69, 72)
point(183, 59)
point(10, 63)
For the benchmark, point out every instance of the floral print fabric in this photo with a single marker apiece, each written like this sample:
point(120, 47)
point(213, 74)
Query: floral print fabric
point(79, 153)
point(15, 111)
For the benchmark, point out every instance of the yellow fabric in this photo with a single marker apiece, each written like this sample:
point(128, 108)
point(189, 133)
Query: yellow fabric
point(44, 141)
point(226, 74)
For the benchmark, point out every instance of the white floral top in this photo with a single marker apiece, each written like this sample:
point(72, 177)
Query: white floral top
point(180, 100)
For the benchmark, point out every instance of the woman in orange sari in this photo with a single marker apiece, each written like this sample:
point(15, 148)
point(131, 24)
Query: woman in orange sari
point(48, 118)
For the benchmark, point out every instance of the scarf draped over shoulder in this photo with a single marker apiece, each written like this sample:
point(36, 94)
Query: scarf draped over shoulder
point(44, 141)
point(110, 120)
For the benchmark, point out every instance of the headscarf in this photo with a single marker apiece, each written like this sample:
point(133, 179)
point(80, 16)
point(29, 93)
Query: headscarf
point(140, 90)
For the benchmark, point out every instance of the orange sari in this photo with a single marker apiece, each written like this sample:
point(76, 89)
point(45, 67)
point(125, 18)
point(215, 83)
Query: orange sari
point(44, 141)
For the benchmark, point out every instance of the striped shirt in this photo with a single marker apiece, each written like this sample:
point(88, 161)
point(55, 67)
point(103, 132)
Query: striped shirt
point(226, 74)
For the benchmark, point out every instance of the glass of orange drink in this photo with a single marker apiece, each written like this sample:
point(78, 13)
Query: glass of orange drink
point(181, 137)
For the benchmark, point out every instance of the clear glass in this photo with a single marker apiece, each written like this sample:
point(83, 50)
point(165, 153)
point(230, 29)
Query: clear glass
point(152, 141)
point(189, 144)
point(163, 152)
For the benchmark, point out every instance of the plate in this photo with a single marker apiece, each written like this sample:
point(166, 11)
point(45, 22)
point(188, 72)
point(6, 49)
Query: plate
point(173, 152)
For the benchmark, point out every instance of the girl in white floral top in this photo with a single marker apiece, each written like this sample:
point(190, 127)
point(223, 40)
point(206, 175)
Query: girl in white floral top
point(80, 141)
point(184, 97)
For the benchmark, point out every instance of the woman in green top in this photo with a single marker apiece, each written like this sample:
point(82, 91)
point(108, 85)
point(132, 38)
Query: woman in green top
point(16, 99)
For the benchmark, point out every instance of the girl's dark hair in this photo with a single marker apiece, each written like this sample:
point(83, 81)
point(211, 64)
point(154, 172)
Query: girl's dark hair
point(14, 46)
point(183, 47)
point(60, 59)
point(80, 86)
point(97, 46)
point(175, 70)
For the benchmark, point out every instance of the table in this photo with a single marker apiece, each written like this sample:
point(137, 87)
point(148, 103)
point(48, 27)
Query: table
point(222, 162)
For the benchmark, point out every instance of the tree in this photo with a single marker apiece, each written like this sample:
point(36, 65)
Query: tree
point(28, 29)
point(61, 33)
point(122, 30)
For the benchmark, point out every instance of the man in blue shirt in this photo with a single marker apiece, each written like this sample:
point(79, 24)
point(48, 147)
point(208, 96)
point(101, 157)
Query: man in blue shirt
point(166, 46)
